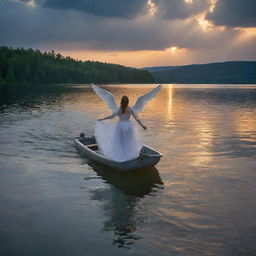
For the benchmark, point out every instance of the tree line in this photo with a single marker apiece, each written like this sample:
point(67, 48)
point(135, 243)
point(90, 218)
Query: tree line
point(27, 65)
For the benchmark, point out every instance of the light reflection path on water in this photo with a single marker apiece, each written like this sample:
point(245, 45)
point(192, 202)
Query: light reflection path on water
point(199, 200)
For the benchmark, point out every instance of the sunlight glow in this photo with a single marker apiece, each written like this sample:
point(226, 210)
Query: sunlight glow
point(152, 7)
point(170, 95)
point(212, 6)
point(205, 141)
point(172, 49)
point(205, 24)
point(189, 1)
point(30, 3)
point(246, 124)
point(145, 58)
point(248, 31)
point(245, 35)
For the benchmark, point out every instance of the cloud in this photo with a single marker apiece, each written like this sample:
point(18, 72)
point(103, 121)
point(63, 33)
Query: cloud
point(30, 23)
point(128, 9)
point(234, 13)
point(180, 9)
point(106, 8)
point(70, 29)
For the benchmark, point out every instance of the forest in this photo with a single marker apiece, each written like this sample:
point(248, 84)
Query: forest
point(34, 66)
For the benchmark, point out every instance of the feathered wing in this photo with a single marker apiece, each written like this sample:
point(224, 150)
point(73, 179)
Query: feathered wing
point(106, 96)
point(142, 100)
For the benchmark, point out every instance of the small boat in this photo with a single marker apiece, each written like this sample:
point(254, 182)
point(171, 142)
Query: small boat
point(147, 157)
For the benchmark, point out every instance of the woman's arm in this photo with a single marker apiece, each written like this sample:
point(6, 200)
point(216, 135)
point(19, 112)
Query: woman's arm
point(108, 117)
point(138, 120)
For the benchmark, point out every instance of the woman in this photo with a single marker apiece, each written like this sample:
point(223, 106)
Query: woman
point(124, 112)
point(120, 141)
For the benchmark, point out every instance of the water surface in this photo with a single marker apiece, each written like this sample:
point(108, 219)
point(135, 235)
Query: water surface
point(199, 200)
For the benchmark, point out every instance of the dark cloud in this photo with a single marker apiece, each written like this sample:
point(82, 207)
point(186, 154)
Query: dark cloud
point(107, 8)
point(23, 24)
point(234, 13)
point(69, 29)
point(180, 9)
point(36, 26)
point(170, 9)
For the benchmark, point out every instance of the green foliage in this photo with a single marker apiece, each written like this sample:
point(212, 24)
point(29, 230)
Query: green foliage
point(28, 65)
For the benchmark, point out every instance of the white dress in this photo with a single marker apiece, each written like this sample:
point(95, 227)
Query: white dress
point(119, 141)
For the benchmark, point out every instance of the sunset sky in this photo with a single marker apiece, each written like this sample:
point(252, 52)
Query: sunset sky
point(137, 33)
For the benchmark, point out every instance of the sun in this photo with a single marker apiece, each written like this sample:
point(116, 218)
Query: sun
point(174, 48)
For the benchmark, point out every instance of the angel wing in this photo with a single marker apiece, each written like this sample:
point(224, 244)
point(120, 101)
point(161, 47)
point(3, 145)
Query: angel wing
point(106, 96)
point(142, 100)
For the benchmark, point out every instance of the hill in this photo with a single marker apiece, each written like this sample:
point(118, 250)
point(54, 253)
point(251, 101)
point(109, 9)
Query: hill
point(159, 69)
point(232, 72)
point(28, 65)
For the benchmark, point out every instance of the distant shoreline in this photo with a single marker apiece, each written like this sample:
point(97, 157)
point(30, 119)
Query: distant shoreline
point(230, 72)
point(31, 84)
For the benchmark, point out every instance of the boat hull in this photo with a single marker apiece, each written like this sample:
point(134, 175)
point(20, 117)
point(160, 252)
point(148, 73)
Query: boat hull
point(147, 157)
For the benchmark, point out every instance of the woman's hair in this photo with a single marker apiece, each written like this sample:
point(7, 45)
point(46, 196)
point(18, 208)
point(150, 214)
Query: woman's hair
point(124, 103)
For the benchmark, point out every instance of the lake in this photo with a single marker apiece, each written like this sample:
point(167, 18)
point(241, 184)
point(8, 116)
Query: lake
point(199, 200)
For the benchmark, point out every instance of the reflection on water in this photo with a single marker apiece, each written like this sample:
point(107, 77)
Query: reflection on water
point(136, 183)
point(120, 215)
point(199, 200)
point(122, 210)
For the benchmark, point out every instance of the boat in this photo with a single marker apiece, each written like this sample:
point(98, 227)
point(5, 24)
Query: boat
point(141, 182)
point(147, 157)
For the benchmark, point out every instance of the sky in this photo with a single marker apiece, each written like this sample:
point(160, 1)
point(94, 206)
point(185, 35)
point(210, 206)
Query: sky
point(135, 33)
